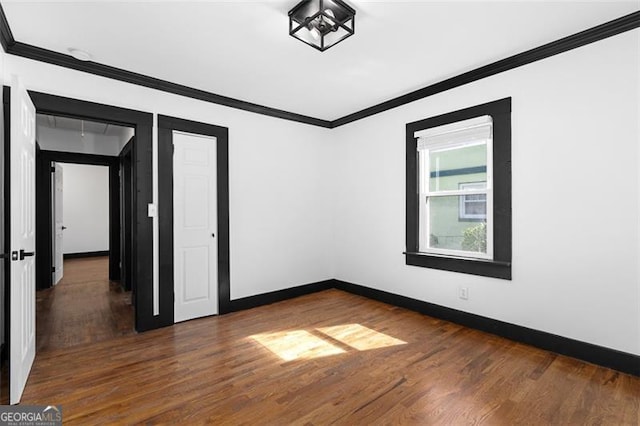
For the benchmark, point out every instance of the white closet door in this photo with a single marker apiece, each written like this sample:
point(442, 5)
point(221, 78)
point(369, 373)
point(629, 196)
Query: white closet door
point(195, 225)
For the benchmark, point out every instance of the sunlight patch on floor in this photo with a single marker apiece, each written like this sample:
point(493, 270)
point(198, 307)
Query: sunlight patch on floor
point(360, 337)
point(302, 344)
point(296, 344)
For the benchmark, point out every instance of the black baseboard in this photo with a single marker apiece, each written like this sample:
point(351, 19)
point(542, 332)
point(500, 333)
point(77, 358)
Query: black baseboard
point(606, 357)
point(86, 254)
point(599, 355)
point(279, 296)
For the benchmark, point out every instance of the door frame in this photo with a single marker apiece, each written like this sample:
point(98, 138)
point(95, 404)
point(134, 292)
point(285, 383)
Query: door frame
point(126, 194)
point(44, 214)
point(6, 239)
point(166, 126)
point(142, 226)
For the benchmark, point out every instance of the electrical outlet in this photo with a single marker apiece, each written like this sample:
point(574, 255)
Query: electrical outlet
point(463, 293)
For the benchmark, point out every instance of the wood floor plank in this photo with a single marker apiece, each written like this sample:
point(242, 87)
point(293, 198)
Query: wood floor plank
point(222, 370)
point(84, 307)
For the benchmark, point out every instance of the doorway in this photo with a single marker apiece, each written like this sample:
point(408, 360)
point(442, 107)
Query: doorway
point(82, 299)
point(217, 138)
point(83, 146)
point(16, 101)
point(141, 180)
point(79, 228)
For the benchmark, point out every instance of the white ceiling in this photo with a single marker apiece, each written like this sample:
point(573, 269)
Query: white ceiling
point(242, 49)
point(72, 135)
point(81, 126)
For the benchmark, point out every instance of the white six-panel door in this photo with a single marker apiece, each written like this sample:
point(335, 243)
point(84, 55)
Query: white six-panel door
point(195, 225)
point(23, 286)
point(58, 255)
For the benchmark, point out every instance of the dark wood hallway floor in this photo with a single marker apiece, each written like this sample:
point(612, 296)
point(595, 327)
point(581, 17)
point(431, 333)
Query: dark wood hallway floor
point(326, 358)
point(85, 307)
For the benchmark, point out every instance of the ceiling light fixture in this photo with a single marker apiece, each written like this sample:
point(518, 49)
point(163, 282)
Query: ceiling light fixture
point(321, 23)
point(80, 55)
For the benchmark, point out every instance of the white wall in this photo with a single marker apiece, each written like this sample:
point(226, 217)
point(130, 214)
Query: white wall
point(53, 139)
point(575, 198)
point(85, 208)
point(279, 196)
point(308, 204)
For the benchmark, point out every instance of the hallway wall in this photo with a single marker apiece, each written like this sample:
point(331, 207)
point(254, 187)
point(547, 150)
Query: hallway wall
point(86, 208)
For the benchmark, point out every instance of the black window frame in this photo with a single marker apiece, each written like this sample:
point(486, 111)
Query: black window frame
point(500, 265)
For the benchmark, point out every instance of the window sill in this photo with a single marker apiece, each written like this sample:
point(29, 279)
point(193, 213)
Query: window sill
point(486, 268)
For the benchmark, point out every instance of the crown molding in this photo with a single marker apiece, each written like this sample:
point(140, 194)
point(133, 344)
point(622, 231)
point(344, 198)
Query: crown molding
point(13, 47)
point(6, 36)
point(600, 32)
point(67, 61)
point(591, 35)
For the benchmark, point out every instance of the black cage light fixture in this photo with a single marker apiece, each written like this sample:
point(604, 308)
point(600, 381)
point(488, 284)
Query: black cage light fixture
point(321, 23)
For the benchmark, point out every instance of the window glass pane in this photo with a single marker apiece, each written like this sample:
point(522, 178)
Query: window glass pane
point(449, 231)
point(473, 186)
point(473, 208)
point(474, 197)
point(449, 167)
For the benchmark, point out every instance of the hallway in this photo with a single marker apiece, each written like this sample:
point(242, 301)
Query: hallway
point(85, 307)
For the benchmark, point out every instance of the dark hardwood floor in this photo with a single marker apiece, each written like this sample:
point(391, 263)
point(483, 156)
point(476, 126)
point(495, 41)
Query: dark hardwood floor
point(330, 357)
point(84, 307)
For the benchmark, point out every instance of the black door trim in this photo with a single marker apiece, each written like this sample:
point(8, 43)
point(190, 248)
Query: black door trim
point(6, 240)
point(142, 122)
point(166, 126)
point(126, 191)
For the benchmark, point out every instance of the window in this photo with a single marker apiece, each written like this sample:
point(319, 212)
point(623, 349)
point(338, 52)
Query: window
point(473, 206)
point(459, 191)
point(447, 155)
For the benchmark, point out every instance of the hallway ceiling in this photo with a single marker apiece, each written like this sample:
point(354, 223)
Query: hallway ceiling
point(241, 49)
point(81, 126)
point(56, 133)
